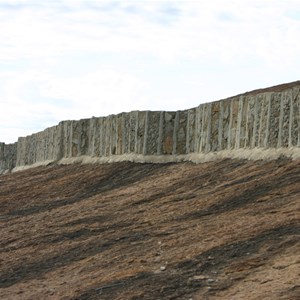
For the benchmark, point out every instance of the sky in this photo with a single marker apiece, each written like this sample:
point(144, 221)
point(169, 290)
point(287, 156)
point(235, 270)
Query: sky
point(74, 59)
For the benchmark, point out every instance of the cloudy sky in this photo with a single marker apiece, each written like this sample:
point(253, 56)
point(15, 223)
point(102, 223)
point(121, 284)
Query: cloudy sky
point(73, 59)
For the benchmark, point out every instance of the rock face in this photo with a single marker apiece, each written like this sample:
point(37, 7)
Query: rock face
point(268, 118)
point(8, 155)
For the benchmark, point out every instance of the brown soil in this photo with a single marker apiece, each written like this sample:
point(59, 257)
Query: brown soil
point(221, 230)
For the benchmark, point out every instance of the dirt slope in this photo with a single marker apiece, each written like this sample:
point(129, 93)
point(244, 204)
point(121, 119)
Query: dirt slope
point(221, 230)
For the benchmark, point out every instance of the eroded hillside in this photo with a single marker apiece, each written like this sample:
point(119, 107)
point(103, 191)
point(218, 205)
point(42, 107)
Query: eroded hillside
point(220, 230)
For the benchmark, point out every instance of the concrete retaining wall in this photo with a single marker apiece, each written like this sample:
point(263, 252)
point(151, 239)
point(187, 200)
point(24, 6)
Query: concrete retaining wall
point(254, 120)
point(8, 156)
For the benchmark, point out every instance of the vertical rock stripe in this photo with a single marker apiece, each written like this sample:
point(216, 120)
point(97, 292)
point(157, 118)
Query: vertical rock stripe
point(146, 133)
point(176, 124)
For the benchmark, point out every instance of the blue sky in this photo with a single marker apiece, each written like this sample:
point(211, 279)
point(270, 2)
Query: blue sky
point(73, 59)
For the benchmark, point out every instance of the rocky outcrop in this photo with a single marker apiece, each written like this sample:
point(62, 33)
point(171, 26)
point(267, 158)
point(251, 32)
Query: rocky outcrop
point(267, 119)
point(8, 156)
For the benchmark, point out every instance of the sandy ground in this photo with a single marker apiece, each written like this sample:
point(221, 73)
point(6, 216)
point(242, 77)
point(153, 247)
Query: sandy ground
point(228, 229)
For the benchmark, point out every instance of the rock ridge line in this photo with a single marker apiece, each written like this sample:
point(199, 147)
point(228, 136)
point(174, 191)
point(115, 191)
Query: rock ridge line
point(262, 124)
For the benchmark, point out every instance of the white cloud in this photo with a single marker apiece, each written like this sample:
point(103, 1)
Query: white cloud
point(198, 28)
point(100, 93)
point(148, 54)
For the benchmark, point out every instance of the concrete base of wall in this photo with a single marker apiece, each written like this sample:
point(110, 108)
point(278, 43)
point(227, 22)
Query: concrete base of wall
point(248, 154)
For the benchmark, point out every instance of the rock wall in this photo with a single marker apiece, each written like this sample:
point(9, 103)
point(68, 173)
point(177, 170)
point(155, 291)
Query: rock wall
point(260, 119)
point(8, 156)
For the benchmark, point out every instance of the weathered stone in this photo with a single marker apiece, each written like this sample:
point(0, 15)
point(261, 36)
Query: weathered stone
point(274, 120)
point(190, 131)
point(152, 132)
point(215, 126)
point(180, 132)
point(141, 133)
point(268, 119)
point(8, 156)
point(168, 132)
